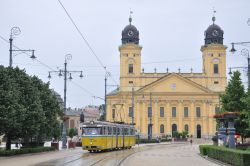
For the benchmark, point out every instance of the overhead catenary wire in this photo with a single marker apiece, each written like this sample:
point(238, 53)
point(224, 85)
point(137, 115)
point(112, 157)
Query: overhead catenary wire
point(86, 41)
point(49, 67)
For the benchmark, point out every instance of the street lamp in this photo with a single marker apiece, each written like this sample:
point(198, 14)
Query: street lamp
point(150, 125)
point(133, 105)
point(65, 72)
point(244, 52)
point(15, 31)
point(108, 74)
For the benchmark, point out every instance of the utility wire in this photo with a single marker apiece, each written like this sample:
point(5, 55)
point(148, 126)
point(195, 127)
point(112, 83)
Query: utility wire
point(49, 67)
point(86, 41)
point(27, 54)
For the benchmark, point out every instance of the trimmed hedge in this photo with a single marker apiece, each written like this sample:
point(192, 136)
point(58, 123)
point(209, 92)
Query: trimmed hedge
point(25, 151)
point(145, 141)
point(230, 156)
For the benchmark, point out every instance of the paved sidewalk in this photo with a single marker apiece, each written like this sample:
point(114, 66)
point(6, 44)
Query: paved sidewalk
point(31, 159)
point(169, 156)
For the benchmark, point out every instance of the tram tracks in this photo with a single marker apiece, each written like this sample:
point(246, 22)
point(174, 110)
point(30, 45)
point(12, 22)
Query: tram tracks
point(115, 158)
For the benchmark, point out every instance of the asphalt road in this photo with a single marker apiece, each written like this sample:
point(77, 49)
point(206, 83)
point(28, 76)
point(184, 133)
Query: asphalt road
point(167, 154)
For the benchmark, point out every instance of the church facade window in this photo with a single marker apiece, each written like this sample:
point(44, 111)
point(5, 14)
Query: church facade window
point(162, 129)
point(130, 68)
point(185, 112)
point(173, 111)
point(198, 112)
point(130, 112)
point(216, 69)
point(161, 112)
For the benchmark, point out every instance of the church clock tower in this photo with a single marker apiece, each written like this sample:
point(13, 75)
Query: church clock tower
point(130, 58)
point(214, 58)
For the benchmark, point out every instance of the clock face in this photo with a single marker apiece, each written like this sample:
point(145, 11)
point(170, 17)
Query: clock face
point(130, 33)
point(215, 33)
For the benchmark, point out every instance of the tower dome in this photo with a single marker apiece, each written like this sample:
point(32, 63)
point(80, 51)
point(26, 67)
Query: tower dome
point(130, 34)
point(214, 34)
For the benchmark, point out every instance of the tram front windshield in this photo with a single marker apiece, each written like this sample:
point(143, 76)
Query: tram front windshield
point(92, 131)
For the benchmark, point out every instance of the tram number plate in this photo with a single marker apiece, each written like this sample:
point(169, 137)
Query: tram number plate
point(92, 140)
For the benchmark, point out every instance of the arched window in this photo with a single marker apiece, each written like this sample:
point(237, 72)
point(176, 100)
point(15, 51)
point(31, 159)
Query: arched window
point(174, 129)
point(198, 128)
point(161, 128)
point(216, 69)
point(130, 68)
point(186, 128)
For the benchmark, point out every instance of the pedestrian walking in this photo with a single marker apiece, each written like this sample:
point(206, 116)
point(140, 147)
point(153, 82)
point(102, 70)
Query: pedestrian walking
point(191, 141)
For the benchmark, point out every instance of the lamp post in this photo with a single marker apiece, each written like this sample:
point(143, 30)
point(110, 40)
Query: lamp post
point(150, 118)
point(244, 52)
point(133, 106)
point(105, 95)
point(15, 31)
point(65, 72)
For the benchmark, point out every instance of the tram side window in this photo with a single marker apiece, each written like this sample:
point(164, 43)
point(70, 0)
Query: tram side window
point(132, 132)
point(103, 131)
point(118, 131)
point(125, 131)
point(122, 131)
point(114, 130)
point(109, 131)
point(92, 131)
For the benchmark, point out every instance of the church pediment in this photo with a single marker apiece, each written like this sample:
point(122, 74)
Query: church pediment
point(174, 83)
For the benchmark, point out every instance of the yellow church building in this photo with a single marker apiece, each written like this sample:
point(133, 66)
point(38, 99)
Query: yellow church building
point(161, 103)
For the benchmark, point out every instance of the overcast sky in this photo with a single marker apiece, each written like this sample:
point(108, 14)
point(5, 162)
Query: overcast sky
point(171, 34)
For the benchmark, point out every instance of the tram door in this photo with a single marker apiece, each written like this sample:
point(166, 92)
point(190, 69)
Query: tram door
point(117, 134)
point(123, 131)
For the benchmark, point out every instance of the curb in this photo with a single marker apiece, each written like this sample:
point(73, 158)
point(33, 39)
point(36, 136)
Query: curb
point(214, 160)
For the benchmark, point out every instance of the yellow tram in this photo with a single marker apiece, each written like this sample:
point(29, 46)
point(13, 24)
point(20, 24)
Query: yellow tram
point(100, 136)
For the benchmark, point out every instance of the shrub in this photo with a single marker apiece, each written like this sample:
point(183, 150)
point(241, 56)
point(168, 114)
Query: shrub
point(145, 141)
point(230, 156)
point(24, 151)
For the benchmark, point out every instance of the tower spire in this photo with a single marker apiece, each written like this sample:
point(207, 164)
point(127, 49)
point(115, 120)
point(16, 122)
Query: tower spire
point(130, 17)
point(213, 18)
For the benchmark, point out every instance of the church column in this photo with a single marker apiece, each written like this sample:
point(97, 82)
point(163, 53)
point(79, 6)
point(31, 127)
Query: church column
point(155, 118)
point(138, 116)
point(210, 119)
point(180, 116)
point(124, 111)
point(205, 119)
point(192, 125)
point(144, 122)
point(168, 115)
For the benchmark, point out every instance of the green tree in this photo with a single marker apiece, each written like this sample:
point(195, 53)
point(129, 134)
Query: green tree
point(51, 109)
point(231, 100)
point(235, 100)
point(245, 116)
point(28, 108)
point(11, 112)
point(72, 132)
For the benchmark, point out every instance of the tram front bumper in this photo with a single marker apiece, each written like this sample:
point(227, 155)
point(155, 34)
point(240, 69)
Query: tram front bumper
point(92, 147)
